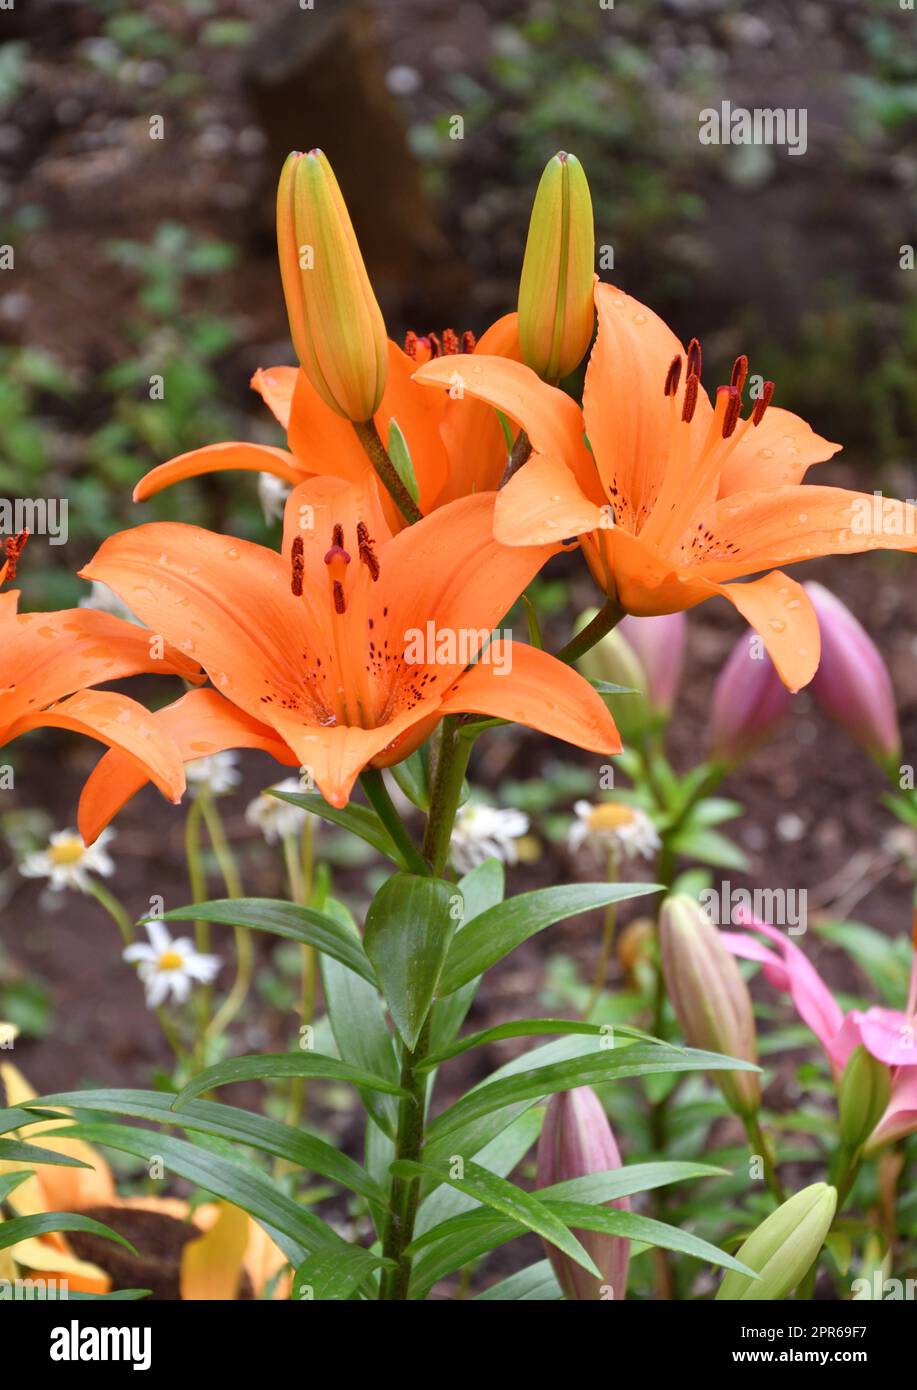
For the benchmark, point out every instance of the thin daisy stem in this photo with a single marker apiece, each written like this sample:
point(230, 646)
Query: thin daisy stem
point(245, 955)
point(115, 909)
point(119, 914)
point(608, 937)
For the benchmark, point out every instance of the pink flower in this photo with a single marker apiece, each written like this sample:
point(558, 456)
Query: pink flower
point(889, 1035)
point(852, 682)
point(659, 642)
point(749, 701)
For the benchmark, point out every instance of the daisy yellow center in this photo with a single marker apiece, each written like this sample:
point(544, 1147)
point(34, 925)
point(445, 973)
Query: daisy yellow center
point(611, 815)
point(169, 960)
point(69, 851)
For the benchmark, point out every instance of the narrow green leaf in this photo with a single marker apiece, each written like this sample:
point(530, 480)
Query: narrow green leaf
point(44, 1223)
point(412, 776)
point(10, 1181)
point(284, 919)
point(508, 1199)
point(227, 1122)
point(400, 455)
point(297, 1230)
point(274, 1064)
point(358, 1022)
point(495, 933)
point(500, 1156)
point(14, 1118)
point(408, 929)
point(481, 888)
point(359, 820)
point(116, 1296)
point(608, 1064)
point(536, 1283)
point(13, 1151)
point(534, 1028)
point(336, 1274)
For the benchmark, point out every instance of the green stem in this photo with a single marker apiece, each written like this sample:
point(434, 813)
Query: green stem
point(373, 785)
point(607, 617)
point(451, 764)
point(197, 877)
point(760, 1144)
point(404, 1196)
point(608, 936)
point(119, 914)
point(299, 871)
point(115, 909)
point(245, 955)
point(377, 453)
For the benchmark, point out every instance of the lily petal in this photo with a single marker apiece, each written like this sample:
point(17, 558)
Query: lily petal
point(777, 451)
point(215, 458)
point(275, 386)
point(543, 504)
point(541, 692)
point(200, 723)
point(781, 613)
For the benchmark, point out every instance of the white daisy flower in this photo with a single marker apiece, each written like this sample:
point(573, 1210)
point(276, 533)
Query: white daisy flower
point(485, 832)
point(105, 600)
point(216, 773)
point(612, 825)
point(272, 494)
point(167, 966)
point(277, 819)
point(68, 862)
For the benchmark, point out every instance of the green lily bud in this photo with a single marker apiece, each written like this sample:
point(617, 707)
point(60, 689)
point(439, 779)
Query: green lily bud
point(783, 1248)
point(864, 1092)
point(613, 659)
point(335, 323)
point(709, 996)
point(556, 310)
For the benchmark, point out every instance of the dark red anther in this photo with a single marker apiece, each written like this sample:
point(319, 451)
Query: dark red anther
point(761, 404)
point(673, 377)
point(450, 342)
point(13, 548)
point(732, 411)
point(367, 554)
point(469, 341)
point(337, 590)
point(739, 372)
point(410, 344)
point(690, 400)
point(695, 359)
point(298, 566)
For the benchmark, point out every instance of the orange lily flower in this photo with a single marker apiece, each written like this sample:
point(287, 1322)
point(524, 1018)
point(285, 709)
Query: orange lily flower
point(212, 1264)
point(50, 656)
point(320, 642)
point(457, 447)
point(673, 497)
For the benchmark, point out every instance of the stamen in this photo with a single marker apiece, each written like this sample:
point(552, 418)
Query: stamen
point(337, 590)
point(672, 377)
point(761, 404)
point(469, 341)
point(695, 359)
point(739, 372)
point(733, 408)
point(690, 401)
point(366, 552)
point(13, 548)
point(298, 566)
point(450, 342)
point(410, 344)
point(436, 346)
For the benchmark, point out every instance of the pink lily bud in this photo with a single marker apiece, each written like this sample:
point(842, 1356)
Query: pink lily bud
point(576, 1139)
point(749, 701)
point(852, 682)
point(709, 996)
point(660, 646)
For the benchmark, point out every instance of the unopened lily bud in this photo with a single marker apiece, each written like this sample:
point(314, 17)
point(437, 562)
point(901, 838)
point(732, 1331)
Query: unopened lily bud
point(852, 682)
point(335, 323)
point(783, 1248)
point(556, 310)
point(659, 643)
point(864, 1092)
point(635, 946)
point(576, 1139)
point(614, 660)
point(749, 701)
point(709, 996)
